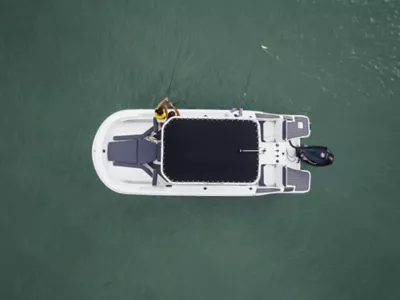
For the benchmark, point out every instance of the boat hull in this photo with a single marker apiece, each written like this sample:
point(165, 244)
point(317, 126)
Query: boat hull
point(134, 181)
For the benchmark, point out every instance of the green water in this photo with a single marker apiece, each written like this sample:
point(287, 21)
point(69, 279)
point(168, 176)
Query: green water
point(66, 65)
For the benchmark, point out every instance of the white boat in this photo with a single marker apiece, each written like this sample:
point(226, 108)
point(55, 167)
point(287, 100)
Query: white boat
point(203, 153)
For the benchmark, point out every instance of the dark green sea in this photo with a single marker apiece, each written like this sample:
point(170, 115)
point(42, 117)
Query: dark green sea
point(65, 65)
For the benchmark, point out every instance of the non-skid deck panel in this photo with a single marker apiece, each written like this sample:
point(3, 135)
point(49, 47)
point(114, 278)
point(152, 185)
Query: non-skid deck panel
point(207, 150)
point(266, 116)
point(299, 179)
point(299, 128)
point(267, 190)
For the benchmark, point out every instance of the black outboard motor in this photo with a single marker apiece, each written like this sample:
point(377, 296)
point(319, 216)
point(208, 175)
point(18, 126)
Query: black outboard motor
point(318, 156)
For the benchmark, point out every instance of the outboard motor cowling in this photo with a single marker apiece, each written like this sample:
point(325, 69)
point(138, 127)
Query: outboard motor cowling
point(318, 156)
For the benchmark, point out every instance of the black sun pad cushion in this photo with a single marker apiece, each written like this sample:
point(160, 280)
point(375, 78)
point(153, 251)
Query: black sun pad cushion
point(208, 150)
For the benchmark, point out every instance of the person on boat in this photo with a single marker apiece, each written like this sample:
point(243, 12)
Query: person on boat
point(161, 112)
point(173, 113)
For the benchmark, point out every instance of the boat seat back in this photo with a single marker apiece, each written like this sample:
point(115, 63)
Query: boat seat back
point(146, 151)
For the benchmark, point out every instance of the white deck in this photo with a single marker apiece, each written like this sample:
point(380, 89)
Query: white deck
point(278, 155)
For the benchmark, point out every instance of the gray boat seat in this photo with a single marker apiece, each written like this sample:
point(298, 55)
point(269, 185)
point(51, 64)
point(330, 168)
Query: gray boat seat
point(135, 151)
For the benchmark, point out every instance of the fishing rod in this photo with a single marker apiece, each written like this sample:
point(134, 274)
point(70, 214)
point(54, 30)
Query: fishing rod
point(173, 71)
point(265, 49)
point(248, 82)
point(243, 98)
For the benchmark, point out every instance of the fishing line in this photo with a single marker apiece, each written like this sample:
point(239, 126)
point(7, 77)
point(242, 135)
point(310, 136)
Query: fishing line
point(173, 70)
point(249, 77)
point(248, 82)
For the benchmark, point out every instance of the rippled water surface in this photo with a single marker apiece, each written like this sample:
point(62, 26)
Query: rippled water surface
point(67, 65)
